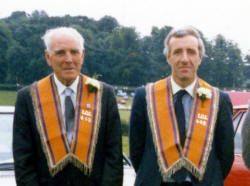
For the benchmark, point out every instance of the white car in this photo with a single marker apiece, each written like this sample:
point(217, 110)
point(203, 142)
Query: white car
point(6, 159)
point(7, 176)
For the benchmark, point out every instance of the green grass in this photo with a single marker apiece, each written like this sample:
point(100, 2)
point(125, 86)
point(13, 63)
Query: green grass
point(125, 147)
point(7, 97)
point(124, 115)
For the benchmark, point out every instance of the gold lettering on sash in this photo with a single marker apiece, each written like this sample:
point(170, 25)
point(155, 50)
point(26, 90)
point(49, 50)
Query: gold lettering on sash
point(202, 119)
point(86, 116)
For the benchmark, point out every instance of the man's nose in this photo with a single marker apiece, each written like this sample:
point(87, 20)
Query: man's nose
point(184, 57)
point(68, 57)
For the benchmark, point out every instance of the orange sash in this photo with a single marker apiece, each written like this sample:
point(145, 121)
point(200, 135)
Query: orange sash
point(52, 131)
point(170, 154)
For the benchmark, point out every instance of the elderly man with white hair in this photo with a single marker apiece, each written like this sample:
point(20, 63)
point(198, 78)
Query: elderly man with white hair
point(67, 128)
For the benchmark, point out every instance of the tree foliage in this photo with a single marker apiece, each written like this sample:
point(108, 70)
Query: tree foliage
point(119, 54)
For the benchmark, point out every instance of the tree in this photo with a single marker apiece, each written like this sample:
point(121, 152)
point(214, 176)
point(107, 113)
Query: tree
point(115, 52)
point(5, 43)
point(246, 71)
point(226, 63)
point(107, 24)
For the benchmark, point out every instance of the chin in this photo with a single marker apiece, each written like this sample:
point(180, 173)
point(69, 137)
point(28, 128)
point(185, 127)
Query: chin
point(187, 78)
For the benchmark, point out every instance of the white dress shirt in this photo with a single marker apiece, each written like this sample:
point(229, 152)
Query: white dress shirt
point(187, 99)
point(61, 93)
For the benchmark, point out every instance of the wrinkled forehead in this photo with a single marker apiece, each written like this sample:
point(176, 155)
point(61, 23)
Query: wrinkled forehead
point(188, 41)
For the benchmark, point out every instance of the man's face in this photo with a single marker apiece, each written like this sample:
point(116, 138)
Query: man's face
point(184, 59)
point(65, 57)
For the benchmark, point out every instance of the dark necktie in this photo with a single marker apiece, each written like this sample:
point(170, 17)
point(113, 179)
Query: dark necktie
point(180, 175)
point(69, 115)
point(180, 115)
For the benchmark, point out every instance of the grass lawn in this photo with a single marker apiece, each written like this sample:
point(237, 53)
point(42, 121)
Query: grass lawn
point(125, 147)
point(124, 115)
point(7, 97)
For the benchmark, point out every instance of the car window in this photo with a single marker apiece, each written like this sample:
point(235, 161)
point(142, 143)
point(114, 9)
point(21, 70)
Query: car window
point(238, 127)
point(6, 121)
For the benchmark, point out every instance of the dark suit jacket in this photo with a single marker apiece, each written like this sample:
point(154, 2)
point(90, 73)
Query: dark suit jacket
point(246, 139)
point(142, 150)
point(29, 159)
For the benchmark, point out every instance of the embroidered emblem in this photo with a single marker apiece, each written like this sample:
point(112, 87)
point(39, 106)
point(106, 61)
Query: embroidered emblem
point(86, 115)
point(202, 122)
point(85, 119)
point(88, 106)
point(198, 143)
point(201, 118)
point(47, 111)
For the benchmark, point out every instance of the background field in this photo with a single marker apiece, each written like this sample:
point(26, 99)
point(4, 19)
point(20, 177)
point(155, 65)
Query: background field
point(9, 98)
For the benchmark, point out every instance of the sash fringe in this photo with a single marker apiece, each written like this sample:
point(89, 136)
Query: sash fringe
point(173, 169)
point(183, 162)
point(151, 123)
point(98, 122)
point(39, 126)
point(179, 164)
point(70, 157)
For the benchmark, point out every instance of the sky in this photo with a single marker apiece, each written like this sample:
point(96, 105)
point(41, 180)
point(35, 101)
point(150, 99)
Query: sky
point(212, 17)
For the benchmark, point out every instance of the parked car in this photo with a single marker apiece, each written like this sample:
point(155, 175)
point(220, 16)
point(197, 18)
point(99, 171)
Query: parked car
point(7, 176)
point(239, 174)
point(6, 158)
point(121, 93)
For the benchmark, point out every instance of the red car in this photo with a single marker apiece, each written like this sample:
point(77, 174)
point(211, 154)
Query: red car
point(239, 174)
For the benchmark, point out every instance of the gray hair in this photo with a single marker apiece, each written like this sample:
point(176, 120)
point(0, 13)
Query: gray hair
point(181, 32)
point(64, 30)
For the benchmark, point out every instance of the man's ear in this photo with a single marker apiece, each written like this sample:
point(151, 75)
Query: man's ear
point(47, 56)
point(83, 55)
point(167, 57)
point(200, 60)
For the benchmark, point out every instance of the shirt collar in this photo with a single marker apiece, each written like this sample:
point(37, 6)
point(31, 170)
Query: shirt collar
point(189, 88)
point(61, 87)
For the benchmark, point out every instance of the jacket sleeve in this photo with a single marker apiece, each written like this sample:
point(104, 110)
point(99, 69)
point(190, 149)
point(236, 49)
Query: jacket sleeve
point(113, 166)
point(224, 134)
point(23, 151)
point(137, 131)
point(246, 139)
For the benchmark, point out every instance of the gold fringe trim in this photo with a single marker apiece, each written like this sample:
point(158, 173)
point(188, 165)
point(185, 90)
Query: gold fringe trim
point(153, 130)
point(97, 127)
point(183, 162)
point(211, 134)
point(39, 126)
point(70, 157)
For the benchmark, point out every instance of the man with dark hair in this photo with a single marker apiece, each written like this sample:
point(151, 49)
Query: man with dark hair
point(181, 130)
point(67, 128)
